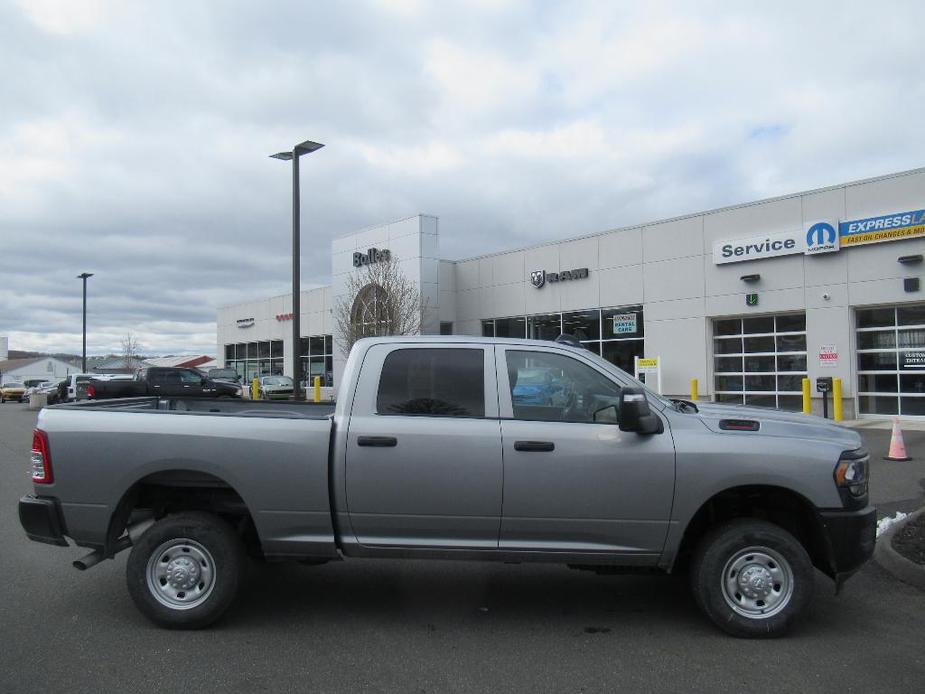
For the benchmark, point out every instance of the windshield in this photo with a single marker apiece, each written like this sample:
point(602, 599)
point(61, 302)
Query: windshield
point(277, 381)
point(13, 385)
point(620, 373)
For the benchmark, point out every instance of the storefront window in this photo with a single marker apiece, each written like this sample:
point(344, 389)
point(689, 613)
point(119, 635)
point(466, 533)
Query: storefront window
point(546, 326)
point(614, 333)
point(585, 325)
point(267, 357)
point(511, 327)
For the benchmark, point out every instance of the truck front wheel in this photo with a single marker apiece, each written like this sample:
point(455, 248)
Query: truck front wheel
point(752, 578)
point(185, 571)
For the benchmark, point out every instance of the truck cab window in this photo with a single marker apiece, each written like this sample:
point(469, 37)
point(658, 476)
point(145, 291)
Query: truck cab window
point(190, 377)
point(555, 388)
point(434, 382)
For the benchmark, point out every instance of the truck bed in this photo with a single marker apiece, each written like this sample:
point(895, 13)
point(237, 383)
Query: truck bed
point(274, 455)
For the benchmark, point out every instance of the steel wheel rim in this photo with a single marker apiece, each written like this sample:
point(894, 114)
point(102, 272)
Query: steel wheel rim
point(757, 582)
point(181, 574)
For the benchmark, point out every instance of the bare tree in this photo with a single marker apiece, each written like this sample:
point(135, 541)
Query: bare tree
point(380, 300)
point(130, 349)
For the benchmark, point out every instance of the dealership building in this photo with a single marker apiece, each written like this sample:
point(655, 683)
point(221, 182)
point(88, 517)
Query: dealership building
point(748, 299)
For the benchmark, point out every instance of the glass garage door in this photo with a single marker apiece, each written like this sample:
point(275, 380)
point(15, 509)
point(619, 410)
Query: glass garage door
point(760, 360)
point(891, 360)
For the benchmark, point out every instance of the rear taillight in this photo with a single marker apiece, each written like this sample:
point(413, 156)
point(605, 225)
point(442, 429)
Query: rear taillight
point(41, 458)
point(91, 392)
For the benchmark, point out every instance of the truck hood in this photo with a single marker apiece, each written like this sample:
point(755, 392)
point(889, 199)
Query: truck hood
point(778, 423)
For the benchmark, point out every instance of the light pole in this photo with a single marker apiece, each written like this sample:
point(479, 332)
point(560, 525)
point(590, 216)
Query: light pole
point(306, 147)
point(83, 276)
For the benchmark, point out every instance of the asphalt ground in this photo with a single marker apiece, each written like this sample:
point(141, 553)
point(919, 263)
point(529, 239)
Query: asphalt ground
point(393, 626)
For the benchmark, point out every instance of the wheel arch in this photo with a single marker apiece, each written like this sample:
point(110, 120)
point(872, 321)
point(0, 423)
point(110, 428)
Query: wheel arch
point(163, 492)
point(779, 505)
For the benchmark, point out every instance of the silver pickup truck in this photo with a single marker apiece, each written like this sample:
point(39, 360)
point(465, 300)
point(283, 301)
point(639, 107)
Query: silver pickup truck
point(458, 448)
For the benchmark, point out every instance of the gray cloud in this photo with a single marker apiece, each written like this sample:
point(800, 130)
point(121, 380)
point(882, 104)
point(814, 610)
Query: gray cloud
point(134, 138)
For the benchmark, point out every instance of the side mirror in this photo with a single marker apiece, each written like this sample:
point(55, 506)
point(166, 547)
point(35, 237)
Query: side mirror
point(607, 415)
point(635, 414)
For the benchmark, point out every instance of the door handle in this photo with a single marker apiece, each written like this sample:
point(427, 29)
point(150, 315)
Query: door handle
point(528, 446)
point(378, 441)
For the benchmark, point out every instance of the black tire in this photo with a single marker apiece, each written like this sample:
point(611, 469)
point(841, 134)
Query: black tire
point(761, 569)
point(207, 564)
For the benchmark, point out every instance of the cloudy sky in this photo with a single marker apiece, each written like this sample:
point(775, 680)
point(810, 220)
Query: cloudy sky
point(134, 135)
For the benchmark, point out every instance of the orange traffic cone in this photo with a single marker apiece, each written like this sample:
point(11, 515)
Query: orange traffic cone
point(897, 447)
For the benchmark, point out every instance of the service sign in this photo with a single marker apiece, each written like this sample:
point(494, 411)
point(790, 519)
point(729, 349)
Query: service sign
point(889, 227)
point(757, 247)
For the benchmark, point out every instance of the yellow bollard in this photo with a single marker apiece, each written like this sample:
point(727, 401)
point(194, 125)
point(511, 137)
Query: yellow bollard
point(836, 399)
point(317, 388)
point(807, 404)
point(255, 388)
point(694, 392)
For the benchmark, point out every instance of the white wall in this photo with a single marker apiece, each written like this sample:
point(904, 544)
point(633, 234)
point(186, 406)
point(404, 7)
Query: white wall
point(47, 369)
point(415, 243)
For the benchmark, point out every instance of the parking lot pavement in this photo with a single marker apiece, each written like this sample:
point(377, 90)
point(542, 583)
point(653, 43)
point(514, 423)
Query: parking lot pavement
point(438, 626)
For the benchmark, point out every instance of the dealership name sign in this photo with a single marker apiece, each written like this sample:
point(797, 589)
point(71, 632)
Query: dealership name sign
point(371, 257)
point(539, 278)
point(822, 236)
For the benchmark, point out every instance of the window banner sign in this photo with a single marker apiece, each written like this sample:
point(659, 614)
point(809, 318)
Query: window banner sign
point(890, 227)
point(624, 323)
point(912, 360)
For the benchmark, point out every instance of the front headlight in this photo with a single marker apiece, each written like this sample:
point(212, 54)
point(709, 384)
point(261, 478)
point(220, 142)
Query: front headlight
point(851, 473)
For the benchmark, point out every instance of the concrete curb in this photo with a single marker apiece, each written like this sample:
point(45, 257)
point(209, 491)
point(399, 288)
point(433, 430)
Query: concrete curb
point(905, 570)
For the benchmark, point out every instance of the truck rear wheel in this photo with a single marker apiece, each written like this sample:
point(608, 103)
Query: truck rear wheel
point(752, 578)
point(185, 571)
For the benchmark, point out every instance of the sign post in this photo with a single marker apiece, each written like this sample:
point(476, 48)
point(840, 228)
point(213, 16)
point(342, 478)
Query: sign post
point(645, 368)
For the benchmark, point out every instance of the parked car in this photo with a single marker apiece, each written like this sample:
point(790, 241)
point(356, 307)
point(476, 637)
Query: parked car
point(76, 388)
point(424, 443)
point(163, 381)
point(275, 388)
point(39, 387)
point(12, 390)
point(229, 375)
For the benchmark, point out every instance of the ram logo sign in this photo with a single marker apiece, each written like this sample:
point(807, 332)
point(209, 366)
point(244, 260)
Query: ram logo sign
point(538, 278)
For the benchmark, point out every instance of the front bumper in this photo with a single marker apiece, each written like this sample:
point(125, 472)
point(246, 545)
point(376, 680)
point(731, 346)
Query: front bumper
point(41, 519)
point(850, 537)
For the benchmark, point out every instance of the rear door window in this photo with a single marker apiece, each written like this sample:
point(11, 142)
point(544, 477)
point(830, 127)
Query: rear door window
point(433, 382)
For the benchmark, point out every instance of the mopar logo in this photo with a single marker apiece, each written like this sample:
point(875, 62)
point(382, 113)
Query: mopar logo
point(821, 237)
